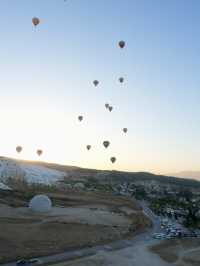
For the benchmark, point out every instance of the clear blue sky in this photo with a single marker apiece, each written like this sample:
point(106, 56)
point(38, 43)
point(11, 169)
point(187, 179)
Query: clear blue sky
point(46, 82)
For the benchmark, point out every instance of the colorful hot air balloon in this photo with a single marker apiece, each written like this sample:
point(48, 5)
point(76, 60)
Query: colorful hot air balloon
point(106, 143)
point(110, 108)
point(35, 21)
point(113, 159)
point(121, 44)
point(19, 149)
point(125, 130)
point(121, 80)
point(95, 82)
point(88, 147)
point(39, 152)
point(107, 105)
point(80, 118)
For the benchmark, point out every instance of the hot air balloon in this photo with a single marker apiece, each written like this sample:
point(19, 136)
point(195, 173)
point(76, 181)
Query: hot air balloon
point(95, 82)
point(125, 130)
point(121, 80)
point(35, 21)
point(18, 149)
point(80, 118)
point(121, 44)
point(88, 147)
point(39, 152)
point(106, 143)
point(110, 108)
point(113, 159)
point(107, 105)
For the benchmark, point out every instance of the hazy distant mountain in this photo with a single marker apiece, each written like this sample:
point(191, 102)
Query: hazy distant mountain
point(187, 174)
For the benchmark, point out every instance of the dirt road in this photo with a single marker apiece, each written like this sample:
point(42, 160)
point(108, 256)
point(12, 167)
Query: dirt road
point(122, 252)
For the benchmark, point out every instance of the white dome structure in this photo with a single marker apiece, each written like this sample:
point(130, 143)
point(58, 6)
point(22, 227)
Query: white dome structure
point(40, 203)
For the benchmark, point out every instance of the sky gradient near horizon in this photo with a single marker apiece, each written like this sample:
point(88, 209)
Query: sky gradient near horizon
point(47, 74)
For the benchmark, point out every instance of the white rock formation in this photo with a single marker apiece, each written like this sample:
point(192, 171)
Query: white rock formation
point(9, 169)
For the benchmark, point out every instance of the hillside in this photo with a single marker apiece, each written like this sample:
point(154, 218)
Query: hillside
point(21, 171)
point(34, 172)
point(107, 176)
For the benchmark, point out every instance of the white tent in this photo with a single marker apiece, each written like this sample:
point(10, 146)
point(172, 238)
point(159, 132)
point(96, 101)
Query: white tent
point(40, 203)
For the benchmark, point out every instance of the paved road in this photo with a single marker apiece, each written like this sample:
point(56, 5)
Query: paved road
point(154, 218)
point(120, 244)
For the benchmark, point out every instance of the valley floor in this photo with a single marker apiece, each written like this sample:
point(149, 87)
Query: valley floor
point(136, 255)
point(179, 252)
point(146, 252)
point(77, 220)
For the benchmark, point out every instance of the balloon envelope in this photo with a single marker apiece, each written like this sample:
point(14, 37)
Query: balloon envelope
point(19, 149)
point(122, 44)
point(88, 147)
point(107, 105)
point(125, 130)
point(121, 80)
point(80, 117)
point(106, 143)
point(113, 159)
point(39, 152)
point(35, 21)
point(110, 108)
point(95, 82)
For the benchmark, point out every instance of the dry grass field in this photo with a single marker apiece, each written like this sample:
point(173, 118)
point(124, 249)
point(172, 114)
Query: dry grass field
point(179, 252)
point(78, 219)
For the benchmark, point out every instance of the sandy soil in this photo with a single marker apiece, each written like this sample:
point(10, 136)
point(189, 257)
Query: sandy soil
point(183, 252)
point(83, 220)
point(138, 255)
point(69, 199)
point(83, 215)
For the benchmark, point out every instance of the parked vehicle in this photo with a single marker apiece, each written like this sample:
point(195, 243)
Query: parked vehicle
point(22, 262)
point(159, 236)
point(35, 261)
point(31, 262)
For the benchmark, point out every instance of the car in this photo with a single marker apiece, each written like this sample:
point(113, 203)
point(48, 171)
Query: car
point(35, 261)
point(171, 236)
point(159, 236)
point(22, 262)
point(155, 236)
point(30, 262)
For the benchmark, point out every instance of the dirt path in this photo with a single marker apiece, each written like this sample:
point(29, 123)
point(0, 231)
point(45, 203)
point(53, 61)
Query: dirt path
point(135, 252)
point(135, 255)
point(189, 257)
point(179, 252)
point(122, 252)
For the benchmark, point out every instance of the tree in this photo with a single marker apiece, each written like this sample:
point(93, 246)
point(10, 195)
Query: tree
point(191, 219)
